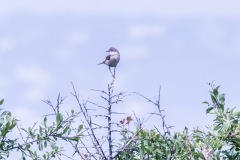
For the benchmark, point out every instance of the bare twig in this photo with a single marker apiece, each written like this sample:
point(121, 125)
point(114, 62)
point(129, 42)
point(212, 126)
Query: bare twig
point(88, 120)
point(160, 111)
point(59, 102)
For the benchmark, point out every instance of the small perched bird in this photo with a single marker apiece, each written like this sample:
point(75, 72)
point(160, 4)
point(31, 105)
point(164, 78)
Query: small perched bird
point(112, 59)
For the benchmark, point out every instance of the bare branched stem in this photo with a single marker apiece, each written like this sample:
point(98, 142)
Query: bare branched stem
point(110, 91)
point(165, 127)
point(89, 122)
point(59, 102)
point(104, 146)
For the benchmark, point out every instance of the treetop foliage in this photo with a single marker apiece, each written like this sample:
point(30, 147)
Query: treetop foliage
point(80, 129)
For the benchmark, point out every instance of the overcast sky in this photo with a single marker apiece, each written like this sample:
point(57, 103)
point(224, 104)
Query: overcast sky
point(180, 45)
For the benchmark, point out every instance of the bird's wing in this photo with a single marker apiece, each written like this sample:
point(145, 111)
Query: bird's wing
point(108, 57)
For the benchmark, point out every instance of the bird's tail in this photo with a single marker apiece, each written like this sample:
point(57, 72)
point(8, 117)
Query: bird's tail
point(101, 63)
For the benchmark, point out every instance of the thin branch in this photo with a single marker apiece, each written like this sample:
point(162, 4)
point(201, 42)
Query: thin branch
point(88, 120)
point(165, 127)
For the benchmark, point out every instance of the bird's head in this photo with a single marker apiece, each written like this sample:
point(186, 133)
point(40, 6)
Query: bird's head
point(112, 51)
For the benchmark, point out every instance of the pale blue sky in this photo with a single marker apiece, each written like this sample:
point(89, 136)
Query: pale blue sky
point(180, 45)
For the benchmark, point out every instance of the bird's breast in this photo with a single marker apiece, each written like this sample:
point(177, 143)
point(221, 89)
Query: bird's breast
point(113, 61)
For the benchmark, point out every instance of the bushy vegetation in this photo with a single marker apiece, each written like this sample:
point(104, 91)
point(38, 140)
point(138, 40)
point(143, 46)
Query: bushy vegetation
point(220, 140)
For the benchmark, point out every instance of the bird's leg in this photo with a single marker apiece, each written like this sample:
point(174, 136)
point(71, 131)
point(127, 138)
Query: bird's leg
point(114, 71)
point(111, 72)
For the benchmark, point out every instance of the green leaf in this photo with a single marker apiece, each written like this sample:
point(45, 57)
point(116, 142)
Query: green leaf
point(80, 127)
point(215, 91)
point(45, 121)
point(236, 140)
point(1, 102)
point(205, 102)
point(69, 131)
point(40, 131)
point(3, 132)
point(221, 106)
point(40, 146)
point(27, 146)
point(214, 100)
point(44, 156)
point(65, 130)
point(14, 123)
point(76, 138)
point(59, 118)
point(222, 98)
point(45, 144)
point(209, 110)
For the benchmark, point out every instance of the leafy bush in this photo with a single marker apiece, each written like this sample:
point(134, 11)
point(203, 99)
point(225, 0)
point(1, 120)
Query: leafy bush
point(220, 140)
